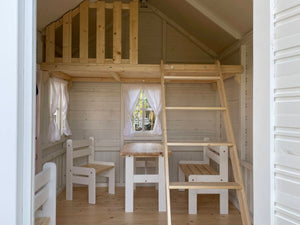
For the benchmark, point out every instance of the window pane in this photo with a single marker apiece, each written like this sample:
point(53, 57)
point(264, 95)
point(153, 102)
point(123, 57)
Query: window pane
point(143, 118)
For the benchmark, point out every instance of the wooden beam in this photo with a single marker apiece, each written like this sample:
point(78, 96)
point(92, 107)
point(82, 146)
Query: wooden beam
point(193, 39)
point(67, 38)
point(60, 75)
point(50, 43)
point(215, 18)
point(183, 69)
point(116, 76)
point(113, 80)
point(236, 45)
point(100, 35)
point(117, 32)
point(84, 34)
point(133, 29)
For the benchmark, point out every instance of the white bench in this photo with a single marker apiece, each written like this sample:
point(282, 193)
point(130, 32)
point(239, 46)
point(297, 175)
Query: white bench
point(45, 196)
point(86, 174)
point(202, 171)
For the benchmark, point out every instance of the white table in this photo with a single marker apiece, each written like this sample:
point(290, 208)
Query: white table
point(132, 150)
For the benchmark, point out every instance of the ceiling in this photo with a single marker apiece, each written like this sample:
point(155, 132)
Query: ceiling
point(216, 23)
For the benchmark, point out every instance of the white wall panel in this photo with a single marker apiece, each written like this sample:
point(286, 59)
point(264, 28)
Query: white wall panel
point(286, 112)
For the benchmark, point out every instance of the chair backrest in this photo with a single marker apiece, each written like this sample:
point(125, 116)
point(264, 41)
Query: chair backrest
point(80, 148)
point(45, 193)
point(219, 154)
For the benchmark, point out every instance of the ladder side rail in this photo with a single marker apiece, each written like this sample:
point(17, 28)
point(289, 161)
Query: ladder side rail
point(233, 150)
point(165, 139)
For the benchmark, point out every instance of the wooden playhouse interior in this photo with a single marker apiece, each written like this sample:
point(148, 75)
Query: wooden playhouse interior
point(80, 49)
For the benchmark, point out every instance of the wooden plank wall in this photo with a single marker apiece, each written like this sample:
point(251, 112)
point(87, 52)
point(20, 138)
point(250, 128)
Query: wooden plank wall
point(233, 90)
point(95, 110)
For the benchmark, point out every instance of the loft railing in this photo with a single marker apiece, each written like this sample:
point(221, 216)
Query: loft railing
point(64, 24)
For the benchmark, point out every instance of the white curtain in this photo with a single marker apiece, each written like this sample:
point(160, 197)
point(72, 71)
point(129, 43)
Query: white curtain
point(153, 94)
point(54, 134)
point(64, 105)
point(131, 94)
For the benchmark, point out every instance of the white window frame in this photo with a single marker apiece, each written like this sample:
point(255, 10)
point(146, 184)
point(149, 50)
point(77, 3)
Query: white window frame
point(263, 114)
point(142, 136)
point(144, 132)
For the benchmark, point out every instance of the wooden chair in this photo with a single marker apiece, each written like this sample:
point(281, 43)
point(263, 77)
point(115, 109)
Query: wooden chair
point(86, 174)
point(202, 171)
point(45, 196)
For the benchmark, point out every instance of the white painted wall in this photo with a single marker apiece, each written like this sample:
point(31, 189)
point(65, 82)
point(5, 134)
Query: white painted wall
point(95, 110)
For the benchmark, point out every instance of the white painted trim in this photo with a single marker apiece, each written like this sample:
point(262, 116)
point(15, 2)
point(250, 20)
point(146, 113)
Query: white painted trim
point(193, 39)
point(216, 19)
point(263, 141)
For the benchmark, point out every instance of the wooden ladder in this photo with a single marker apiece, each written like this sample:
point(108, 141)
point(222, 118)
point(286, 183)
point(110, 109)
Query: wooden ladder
point(238, 179)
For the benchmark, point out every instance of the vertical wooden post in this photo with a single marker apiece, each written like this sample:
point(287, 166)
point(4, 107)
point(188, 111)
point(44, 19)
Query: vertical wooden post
point(117, 32)
point(233, 150)
point(50, 43)
point(165, 138)
point(100, 35)
point(84, 28)
point(133, 29)
point(67, 38)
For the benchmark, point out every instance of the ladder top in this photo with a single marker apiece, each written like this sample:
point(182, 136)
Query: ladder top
point(204, 185)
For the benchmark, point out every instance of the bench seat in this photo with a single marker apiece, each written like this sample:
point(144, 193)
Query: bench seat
point(99, 168)
point(197, 169)
point(42, 221)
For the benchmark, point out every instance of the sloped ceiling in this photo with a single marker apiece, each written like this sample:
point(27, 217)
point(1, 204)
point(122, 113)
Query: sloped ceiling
point(236, 13)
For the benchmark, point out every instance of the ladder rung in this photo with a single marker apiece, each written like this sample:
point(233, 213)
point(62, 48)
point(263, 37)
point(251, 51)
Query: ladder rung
point(204, 185)
point(198, 144)
point(208, 78)
point(197, 108)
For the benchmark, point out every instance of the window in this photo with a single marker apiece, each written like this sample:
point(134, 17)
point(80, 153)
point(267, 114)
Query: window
point(58, 103)
point(143, 118)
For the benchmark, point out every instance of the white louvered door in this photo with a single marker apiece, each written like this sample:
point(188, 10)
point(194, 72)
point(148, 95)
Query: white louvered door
point(287, 112)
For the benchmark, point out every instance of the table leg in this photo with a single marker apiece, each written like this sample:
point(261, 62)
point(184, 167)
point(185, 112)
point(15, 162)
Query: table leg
point(129, 183)
point(161, 185)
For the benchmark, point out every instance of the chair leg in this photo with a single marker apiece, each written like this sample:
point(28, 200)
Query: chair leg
point(181, 177)
point(192, 201)
point(111, 181)
point(224, 202)
point(92, 188)
point(69, 187)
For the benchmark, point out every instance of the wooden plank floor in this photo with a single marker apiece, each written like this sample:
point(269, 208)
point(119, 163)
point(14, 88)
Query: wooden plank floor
point(109, 209)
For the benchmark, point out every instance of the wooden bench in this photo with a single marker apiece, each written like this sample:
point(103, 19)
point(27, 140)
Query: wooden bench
point(202, 171)
point(45, 196)
point(86, 174)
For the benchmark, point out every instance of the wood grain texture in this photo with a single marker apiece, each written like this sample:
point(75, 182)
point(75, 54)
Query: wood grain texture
point(50, 43)
point(109, 209)
point(197, 169)
point(98, 168)
point(205, 185)
point(142, 149)
point(67, 38)
point(42, 221)
point(117, 31)
point(84, 27)
point(100, 34)
point(133, 29)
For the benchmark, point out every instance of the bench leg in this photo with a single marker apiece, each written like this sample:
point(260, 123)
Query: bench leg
point(111, 181)
point(192, 201)
point(92, 188)
point(69, 187)
point(161, 185)
point(224, 202)
point(129, 184)
point(181, 177)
